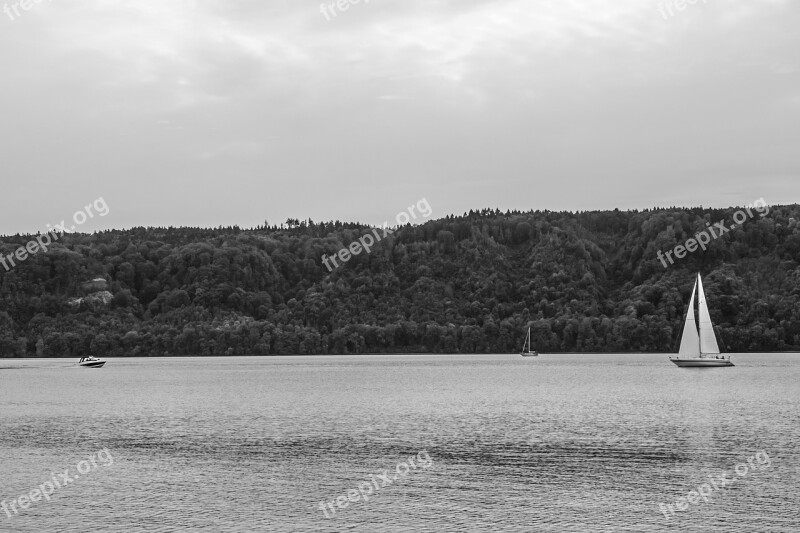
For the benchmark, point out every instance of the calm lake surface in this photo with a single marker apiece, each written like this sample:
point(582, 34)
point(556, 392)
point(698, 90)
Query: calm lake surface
point(555, 443)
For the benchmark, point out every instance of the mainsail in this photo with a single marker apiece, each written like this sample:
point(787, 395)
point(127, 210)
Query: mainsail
point(708, 341)
point(690, 345)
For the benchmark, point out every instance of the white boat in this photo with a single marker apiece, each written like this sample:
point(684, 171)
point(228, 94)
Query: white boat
point(91, 362)
point(526, 348)
point(699, 346)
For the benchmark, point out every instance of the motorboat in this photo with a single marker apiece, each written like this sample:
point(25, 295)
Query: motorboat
point(91, 362)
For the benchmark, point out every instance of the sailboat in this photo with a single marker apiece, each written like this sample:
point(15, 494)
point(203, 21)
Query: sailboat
point(699, 349)
point(526, 348)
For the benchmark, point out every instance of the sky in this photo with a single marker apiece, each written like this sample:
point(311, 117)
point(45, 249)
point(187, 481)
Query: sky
point(208, 113)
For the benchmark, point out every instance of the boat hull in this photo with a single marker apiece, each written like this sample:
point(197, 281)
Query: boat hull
point(92, 364)
point(529, 354)
point(701, 362)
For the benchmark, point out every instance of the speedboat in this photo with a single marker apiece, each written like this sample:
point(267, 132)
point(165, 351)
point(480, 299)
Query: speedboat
point(91, 362)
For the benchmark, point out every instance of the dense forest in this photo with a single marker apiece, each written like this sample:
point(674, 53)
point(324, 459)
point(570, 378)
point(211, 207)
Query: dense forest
point(584, 282)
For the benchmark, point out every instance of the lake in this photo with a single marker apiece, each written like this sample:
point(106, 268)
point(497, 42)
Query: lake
point(400, 443)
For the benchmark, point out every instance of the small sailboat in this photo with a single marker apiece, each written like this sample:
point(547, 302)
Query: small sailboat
point(699, 347)
point(91, 362)
point(526, 348)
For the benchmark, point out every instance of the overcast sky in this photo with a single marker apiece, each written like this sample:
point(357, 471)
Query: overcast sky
point(208, 113)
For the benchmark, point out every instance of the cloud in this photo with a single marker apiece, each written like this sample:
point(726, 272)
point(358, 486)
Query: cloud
point(514, 96)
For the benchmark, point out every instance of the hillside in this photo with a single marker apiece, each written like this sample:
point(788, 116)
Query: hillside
point(588, 281)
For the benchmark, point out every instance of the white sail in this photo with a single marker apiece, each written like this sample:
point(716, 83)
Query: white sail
point(690, 344)
point(708, 341)
point(699, 349)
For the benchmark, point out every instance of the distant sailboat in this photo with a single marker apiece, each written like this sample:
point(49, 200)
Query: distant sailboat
point(699, 349)
point(526, 348)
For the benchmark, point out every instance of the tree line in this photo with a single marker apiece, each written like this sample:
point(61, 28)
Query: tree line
point(583, 282)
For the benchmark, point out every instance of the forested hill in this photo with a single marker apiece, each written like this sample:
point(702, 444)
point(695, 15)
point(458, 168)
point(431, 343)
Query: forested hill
point(589, 282)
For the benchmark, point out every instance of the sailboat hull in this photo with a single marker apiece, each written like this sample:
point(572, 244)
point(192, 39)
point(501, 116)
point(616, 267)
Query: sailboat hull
point(700, 362)
point(529, 354)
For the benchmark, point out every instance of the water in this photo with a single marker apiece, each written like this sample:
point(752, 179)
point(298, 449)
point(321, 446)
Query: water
point(554, 443)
